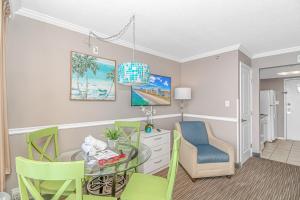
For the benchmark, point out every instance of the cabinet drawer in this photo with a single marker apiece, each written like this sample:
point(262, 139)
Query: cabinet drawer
point(156, 140)
point(156, 163)
point(160, 150)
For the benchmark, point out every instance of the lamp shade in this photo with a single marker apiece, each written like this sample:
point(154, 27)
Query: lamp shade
point(133, 73)
point(183, 93)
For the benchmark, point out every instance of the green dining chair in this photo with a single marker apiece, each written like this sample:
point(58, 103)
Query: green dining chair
point(149, 187)
point(42, 145)
point(67, 172)
point(45, 136)
point(133, 127)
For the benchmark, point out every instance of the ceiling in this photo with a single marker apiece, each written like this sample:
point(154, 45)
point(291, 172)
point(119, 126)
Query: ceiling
point(290, 71)
point(178, 29)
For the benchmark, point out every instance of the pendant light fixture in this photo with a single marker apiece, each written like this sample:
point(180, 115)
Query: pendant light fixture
point(133, 72)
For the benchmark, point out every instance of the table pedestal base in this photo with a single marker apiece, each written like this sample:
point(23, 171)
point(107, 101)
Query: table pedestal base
point(106, 185)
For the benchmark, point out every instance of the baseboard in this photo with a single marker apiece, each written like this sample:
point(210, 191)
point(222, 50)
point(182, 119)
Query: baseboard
point(257, 155)
point(237, 165)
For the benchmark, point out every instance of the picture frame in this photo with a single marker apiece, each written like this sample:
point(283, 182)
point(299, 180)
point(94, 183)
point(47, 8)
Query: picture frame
point(92, 78)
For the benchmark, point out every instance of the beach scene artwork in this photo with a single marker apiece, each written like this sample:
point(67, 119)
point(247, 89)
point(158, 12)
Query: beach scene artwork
point(92, 78)
point(156, 92)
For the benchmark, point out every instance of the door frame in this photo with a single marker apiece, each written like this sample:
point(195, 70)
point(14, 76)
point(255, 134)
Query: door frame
point(284, 106)
point(240, 153)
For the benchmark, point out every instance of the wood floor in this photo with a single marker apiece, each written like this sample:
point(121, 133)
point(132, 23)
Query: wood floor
point(258, 179)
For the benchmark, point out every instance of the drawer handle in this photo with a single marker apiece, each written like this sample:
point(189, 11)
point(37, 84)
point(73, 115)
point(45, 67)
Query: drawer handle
point(157, 162)
point(159, 138)
point(156, 150)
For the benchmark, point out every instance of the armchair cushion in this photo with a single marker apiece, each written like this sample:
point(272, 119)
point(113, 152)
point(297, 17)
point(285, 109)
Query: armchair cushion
point(194, 132)
point(210, 154)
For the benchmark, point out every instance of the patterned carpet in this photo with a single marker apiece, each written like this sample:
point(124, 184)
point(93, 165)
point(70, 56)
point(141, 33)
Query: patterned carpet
point(258, 179)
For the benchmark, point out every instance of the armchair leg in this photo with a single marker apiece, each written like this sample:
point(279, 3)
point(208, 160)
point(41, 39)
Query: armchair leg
point(228, 176)
point(193, 180)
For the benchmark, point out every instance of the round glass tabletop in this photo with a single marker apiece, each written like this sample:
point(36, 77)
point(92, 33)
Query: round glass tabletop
point(133, 157)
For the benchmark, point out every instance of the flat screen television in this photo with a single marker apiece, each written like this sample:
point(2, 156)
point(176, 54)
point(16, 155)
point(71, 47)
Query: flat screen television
point(156, 93)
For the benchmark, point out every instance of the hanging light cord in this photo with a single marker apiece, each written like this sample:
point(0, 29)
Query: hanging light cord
point(117, 35)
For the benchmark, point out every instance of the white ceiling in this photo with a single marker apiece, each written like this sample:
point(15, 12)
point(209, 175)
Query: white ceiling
point(269, 73)
point(181, 29)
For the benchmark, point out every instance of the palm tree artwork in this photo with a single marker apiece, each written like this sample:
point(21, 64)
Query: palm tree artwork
point(92, 78)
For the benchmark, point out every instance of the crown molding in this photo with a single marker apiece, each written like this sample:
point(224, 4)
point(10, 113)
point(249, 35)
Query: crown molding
point(83, 30)
point(216, 52)
point(276, 52)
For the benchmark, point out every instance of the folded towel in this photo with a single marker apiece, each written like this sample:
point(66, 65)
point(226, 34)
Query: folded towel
point(91, 145)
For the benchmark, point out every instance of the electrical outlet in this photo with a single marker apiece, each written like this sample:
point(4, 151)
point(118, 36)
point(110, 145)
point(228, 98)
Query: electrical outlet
point(298, 58)
point(95, 50)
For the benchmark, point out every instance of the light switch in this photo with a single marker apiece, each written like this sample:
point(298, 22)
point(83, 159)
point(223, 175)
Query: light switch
point(227, 103)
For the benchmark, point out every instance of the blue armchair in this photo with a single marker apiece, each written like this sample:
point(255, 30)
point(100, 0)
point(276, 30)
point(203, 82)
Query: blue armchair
point(201, 153)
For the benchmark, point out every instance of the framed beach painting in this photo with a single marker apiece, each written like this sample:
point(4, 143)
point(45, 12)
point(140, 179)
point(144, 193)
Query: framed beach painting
point(92, 78)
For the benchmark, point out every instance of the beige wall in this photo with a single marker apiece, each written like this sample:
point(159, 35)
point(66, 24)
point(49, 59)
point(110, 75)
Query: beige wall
point(213, 80)
point(265, 62)
point(276, 84)
point(38, 81)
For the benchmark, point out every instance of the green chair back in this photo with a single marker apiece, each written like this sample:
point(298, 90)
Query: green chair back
point(29, 171)
point(134, 127)
point(173, 165)
point(49, 136)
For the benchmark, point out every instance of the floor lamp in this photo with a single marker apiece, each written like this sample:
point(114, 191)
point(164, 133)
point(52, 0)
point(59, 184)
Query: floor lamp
point(183, 94)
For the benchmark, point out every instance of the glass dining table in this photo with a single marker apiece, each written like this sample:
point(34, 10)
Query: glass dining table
point(108, 179)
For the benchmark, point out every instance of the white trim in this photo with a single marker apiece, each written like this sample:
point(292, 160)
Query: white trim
point(83, 30)
point(211, 53)
point(238, 132)
point(15, 131)
point(227, 119)
point(73, 27)
point(277, 52)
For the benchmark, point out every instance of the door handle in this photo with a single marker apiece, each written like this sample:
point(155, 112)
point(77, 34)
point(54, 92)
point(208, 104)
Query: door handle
point(244, 120)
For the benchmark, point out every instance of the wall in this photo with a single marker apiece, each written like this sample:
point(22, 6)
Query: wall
point(276, 84)
point(38, 81)
point(213, 80)
point(265, 62)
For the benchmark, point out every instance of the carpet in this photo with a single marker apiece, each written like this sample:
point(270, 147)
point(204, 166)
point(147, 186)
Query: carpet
point(258, 179)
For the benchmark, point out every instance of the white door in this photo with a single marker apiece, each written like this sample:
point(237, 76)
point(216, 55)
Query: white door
point(292, 103)
point(245, 112)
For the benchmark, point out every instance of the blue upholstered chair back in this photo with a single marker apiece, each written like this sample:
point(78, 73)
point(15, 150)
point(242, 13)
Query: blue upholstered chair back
point(194, 132)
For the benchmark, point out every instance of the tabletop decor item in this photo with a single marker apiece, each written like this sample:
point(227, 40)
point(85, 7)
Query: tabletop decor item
point(91, 145)
point(92, 78)
point(112, 136)
point(149, 112)
point(183, 94)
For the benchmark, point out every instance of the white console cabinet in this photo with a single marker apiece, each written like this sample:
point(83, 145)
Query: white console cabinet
point(159, 143)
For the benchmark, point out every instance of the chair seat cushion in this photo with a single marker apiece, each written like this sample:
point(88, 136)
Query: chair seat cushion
point(210, 154)
point(145, 187)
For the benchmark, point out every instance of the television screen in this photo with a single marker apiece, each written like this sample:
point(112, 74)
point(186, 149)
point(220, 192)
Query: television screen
point(156, 93)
